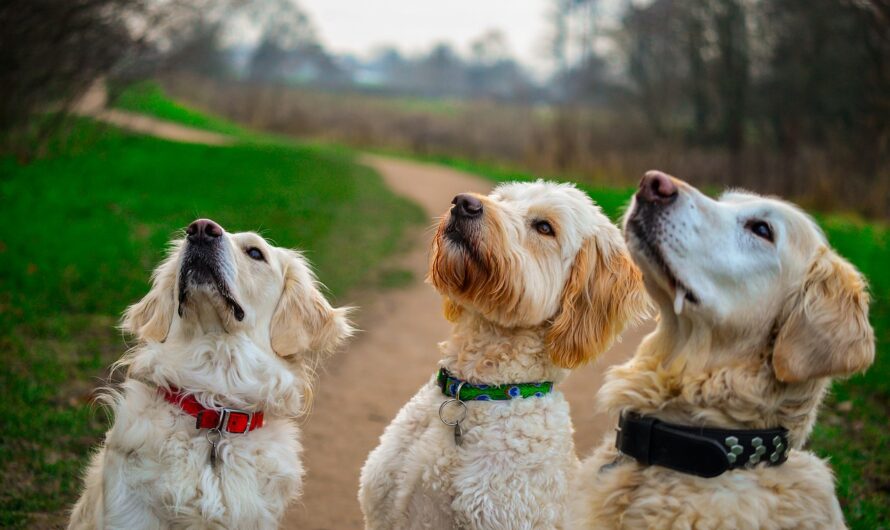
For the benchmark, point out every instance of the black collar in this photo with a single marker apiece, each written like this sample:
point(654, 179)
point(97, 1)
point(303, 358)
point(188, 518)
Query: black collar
point(701, 451)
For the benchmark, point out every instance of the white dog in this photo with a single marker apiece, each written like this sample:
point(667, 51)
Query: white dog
point(757, 313)
point(204, 435)
point(536, 281)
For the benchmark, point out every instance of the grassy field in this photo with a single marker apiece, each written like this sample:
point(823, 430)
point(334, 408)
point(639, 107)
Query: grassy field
point(148, 98)
point(852, 431)
point(82, 230)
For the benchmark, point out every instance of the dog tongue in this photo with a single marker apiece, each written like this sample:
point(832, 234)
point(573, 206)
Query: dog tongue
point(678, 300)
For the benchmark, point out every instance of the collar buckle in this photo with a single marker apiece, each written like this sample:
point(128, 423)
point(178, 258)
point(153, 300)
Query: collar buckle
point(231, 421)
point(235, 421)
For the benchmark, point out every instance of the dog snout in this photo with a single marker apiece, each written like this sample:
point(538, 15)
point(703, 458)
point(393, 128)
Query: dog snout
point(657, 188)
point(203, 231)
point(467, 206)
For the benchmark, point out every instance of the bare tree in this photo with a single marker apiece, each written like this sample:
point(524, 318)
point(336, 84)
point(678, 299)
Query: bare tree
point(52, 50)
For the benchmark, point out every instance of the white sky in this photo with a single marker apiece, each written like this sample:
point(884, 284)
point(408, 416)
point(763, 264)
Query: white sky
point(413, 26)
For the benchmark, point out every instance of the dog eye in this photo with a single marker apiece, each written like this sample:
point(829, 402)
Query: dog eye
point(760, 229)
point(256, 254)
point(543, 228)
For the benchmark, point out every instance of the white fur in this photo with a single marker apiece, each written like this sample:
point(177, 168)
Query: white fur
point(153, 470)
point(769, 321)
point(513, 469)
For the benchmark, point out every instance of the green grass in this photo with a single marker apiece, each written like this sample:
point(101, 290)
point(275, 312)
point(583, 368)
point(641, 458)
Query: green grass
point(148, 98)
point(852, 431)
point(80, 232)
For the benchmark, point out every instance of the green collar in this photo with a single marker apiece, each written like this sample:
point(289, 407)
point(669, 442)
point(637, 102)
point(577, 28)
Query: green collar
point(470, 392)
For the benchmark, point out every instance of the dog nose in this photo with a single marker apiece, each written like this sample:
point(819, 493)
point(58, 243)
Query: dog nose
point(203, 230)
point(657, 187)
point(465, 205)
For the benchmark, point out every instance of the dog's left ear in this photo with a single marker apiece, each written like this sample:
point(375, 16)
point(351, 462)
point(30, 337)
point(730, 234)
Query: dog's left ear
point(825, 331)
point(149, 319)
point(304, 320)
point(603, 294)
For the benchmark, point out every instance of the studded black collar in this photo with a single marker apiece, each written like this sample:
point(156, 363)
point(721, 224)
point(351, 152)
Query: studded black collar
point(702, 451)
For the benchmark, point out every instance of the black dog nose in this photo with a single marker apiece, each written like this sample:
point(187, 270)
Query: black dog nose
point(465, 205)
point(657, 187)
point(203, 230)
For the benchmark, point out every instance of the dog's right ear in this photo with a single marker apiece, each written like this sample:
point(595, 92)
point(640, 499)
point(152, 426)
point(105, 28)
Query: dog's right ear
point(603, 294)
point(825, 331)
point(149, 319)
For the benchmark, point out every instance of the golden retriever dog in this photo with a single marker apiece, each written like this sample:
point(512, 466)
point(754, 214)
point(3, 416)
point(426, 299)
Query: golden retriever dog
point(204, 433)
point(536, 281)
point(757, 313)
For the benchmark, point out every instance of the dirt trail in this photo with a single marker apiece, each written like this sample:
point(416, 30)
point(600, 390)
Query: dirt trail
point(160, 128)
point(363, 387)
point(94, 103)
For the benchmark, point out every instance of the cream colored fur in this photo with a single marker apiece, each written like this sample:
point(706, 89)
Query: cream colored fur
point(526, 307)
point(769, 323)
point(153, 470)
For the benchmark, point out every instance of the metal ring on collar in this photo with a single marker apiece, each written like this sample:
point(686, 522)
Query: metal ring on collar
point(216, 434)
point(454, 422)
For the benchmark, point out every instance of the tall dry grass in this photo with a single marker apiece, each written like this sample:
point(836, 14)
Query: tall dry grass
point(611, 147)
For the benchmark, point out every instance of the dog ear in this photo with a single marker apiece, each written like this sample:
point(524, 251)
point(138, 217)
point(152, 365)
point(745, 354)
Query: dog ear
point(603, 294)
point(149, 319)
point(825, 331)
point(304, 321)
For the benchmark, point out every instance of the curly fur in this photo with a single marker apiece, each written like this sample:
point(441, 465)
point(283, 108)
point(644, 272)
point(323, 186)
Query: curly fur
point(526, 307)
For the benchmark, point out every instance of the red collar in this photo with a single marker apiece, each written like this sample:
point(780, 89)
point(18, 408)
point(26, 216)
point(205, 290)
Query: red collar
point(226, 420)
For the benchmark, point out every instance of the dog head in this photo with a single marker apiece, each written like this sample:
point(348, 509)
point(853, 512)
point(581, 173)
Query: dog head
point(538, 254)
point(216, 282)
point(754, 272)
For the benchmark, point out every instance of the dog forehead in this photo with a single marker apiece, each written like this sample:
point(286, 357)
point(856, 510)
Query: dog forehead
point(800, 227)
point(249, 237)
point(279, 258)
point(545, 198)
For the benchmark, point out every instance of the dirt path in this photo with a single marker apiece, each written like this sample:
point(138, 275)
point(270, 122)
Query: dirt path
point(366, 385)
point(94, 104)
point(160, 128)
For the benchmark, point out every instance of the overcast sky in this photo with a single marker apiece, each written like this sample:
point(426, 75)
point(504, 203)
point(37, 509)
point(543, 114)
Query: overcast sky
point(413, 26)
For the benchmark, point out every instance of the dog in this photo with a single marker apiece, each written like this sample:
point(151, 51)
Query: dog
point(757, 314)
point(536, 281)
point(204, 433)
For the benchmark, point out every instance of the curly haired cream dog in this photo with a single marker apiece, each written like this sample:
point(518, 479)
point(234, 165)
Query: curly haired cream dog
point(536, 281)
point(757, 313)
point(229, 333)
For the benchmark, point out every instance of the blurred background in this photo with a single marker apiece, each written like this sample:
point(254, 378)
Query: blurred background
point(122, 120)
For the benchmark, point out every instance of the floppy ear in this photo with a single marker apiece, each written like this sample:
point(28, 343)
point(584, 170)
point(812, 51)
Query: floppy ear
point(149, 319)
point(304, 321)
point(825, 330)
point(603, 294)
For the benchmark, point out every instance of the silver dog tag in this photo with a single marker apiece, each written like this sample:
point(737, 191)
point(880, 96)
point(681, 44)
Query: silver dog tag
point(458, 434)
point(213, 436)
